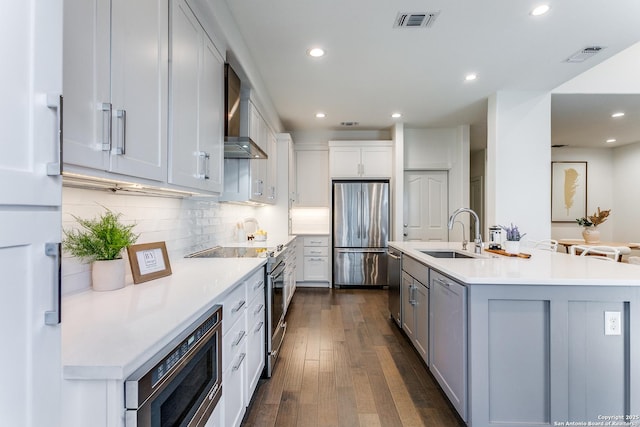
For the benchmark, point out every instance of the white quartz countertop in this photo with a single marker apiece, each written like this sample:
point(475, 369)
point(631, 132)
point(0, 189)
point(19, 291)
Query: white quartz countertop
point(543, 268)
point(108, 335)
point(270, 242)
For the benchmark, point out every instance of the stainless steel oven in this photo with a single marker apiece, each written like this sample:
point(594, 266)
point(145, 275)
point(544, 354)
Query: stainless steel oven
point(275, 316)
point(184, 386)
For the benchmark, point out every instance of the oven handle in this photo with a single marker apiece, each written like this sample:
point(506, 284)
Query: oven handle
point(131, 386)
point(277, 271)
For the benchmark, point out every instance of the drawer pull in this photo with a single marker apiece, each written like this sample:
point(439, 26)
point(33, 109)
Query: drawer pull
point(238, 307)
point(239, 338)
point(237, 365)
point(258, 328)
point(442, 282)
point(258, 285)
point(258, 309)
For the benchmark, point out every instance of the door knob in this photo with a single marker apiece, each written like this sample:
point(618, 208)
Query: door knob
point(406, 225)
point(405, 234)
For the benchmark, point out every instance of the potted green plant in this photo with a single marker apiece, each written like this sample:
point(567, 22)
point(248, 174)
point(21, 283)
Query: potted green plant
point(101, 241)
point(512, 244)
point(590, 223)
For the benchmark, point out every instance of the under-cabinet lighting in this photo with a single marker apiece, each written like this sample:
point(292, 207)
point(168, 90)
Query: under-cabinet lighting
point(618, 114)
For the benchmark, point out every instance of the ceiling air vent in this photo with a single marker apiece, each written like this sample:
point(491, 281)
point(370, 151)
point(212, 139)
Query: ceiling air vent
point(415, 20)
point(349, 123)
point(584, 54)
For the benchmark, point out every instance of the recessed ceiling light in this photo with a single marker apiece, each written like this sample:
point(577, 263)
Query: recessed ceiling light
point(610, 140)
point(618, 114)
point(316, 52)
point(471, 77)
point(396, 115)
point(540, 10)
point(320, 115)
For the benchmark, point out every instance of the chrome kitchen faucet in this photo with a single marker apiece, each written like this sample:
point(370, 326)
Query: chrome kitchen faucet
point(478, 245)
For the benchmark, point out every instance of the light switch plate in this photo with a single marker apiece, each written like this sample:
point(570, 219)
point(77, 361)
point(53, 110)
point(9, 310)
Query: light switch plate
point(612, 323)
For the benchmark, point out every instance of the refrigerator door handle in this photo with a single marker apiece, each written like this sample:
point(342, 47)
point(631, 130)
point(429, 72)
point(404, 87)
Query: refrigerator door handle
point(359, 213)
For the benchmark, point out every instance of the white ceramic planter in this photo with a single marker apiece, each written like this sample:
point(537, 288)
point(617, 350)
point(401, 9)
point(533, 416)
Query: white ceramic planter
point(108, 275)
point(512, 247)
point(591, 235)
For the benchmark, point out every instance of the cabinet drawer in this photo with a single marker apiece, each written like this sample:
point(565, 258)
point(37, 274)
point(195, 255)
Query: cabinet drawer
point(316, 268)
point(233, 307)
point(316, 241)
point(233, 343)
point(255, 285)
point(316, 251)
point(233, 388)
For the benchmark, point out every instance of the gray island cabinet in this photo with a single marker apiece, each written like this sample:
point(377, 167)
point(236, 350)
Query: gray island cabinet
point(552, 340)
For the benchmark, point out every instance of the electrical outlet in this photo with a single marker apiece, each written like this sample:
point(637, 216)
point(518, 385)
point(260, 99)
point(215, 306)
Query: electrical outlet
point(612, 323)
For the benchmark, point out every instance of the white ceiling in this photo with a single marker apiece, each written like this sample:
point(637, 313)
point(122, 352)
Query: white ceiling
point(372, 69)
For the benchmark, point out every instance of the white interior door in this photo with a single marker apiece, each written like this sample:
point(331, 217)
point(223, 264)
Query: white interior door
point(426, 205)
point(30, 200)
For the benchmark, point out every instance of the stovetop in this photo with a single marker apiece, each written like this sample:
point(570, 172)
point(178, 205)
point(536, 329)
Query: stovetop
point(237, 252)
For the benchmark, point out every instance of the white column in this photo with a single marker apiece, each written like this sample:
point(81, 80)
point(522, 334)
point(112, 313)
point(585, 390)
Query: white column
point(519, 162)
point(397, 183)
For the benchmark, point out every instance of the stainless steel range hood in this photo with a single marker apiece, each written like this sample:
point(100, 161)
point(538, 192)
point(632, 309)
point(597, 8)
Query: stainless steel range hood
point(237, 143)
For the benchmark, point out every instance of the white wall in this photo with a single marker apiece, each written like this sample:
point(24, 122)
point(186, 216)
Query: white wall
point(186, 225)
point(518, 170)
point(625, 183)
point(600, 179)
point(442, 149)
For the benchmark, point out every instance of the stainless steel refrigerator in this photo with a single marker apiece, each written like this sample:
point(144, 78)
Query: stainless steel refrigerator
point(360, 233)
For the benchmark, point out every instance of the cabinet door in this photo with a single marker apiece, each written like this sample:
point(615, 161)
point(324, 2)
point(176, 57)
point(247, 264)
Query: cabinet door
point(210, 114)
point(272, 167)
point(376, 162)
point(448, 339)
point(408, 304)
point(186, 47)
point(197, 74)
point(316, 268)
point(258, 180)
point(421, 327)
point(30, 213)
point(139, 68)
point(344, 162)
point(87, 89)
point(312, 178)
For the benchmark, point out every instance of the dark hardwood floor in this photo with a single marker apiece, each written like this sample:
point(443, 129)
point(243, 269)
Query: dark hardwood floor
point(344, 363)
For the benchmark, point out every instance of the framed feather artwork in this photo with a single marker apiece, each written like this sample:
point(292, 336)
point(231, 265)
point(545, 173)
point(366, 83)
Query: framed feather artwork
point(568, 191)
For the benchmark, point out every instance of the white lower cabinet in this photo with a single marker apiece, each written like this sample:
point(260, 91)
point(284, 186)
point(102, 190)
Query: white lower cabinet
point(448, 339)
point(415, 313)
point(290, 268)
point(256, 335)
point(314, 261)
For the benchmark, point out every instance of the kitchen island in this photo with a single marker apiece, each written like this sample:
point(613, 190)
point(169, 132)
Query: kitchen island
point(539, 341)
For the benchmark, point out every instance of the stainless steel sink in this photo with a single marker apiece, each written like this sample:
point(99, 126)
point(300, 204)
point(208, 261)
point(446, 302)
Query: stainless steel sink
point(446, 253)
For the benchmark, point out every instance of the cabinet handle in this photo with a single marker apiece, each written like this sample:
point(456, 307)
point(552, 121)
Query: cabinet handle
point(318, 242)
point(442, 282)
point(54, 102)
point(241, 335)
point(315, 259)
point(258, 309)
point(54, 317)
point(107, 127)
point(238, 307)
point(121, 148)
point(258, 285)
point(257, 329)
point(203, 165)
point(237, 365)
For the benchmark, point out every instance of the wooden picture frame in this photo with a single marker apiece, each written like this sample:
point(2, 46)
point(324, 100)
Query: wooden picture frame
point(568, 191)
point(148, 261)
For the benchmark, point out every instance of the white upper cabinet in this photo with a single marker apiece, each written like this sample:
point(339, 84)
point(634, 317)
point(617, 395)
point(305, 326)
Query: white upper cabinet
point(312, 177)
point(115, 86)
point(196, 99)
point(360, 159)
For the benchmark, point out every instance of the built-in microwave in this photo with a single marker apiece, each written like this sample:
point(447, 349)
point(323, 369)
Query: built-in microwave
point(183, 388)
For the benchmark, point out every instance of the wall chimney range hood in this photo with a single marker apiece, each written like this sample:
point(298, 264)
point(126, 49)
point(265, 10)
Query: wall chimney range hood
point(237, 143)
